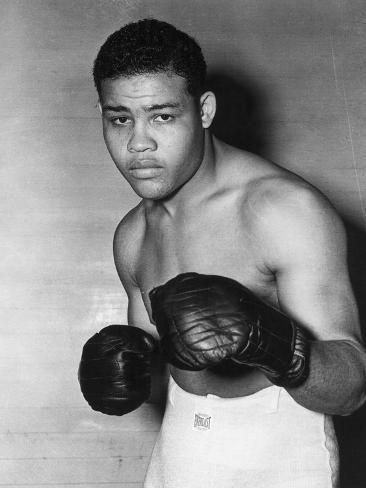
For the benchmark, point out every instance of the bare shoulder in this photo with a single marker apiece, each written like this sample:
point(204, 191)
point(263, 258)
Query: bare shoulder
point(274, 198)
point(284, 213)
point(255, 177)
point(127, 243)
point(293, 217)
point(285, 198)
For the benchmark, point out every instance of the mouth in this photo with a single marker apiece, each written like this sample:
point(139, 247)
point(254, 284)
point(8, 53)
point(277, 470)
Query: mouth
point(145, 169)
point(145, 173)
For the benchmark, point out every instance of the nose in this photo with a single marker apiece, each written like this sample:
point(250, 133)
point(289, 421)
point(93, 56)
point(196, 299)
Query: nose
point(140, 140)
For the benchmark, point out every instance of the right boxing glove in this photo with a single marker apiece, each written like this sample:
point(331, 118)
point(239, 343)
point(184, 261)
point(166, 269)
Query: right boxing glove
point(204, 320)
point(115, 369)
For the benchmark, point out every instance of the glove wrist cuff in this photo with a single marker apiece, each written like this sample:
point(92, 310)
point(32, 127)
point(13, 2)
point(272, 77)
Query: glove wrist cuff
point(298, 369)
point(282, 354)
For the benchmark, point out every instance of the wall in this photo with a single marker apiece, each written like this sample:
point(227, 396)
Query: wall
point(289, 76)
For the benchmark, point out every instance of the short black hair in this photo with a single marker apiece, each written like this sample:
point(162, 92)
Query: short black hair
point(151, 46)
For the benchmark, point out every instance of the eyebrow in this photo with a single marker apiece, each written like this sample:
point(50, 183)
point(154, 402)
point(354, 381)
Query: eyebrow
point(148, 108)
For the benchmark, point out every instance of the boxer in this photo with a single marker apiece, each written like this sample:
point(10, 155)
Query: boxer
point(211, 209)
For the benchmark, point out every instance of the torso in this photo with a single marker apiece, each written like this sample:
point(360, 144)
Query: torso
point(219, 236)
point(211, 243)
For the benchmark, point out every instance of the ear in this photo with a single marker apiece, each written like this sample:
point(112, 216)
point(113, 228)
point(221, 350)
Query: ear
point(208, 108)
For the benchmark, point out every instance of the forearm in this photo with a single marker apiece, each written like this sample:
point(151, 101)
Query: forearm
point(336, 383)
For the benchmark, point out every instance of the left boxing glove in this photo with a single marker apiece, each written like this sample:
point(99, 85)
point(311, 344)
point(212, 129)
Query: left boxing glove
point(203, 320)
point(115, 369)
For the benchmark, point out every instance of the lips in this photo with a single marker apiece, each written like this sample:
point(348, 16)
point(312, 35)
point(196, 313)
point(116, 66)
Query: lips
point(144, 164)
point(145, 168)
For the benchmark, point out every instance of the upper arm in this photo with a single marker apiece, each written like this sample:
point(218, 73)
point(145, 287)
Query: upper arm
point(126, 249)
point(309, 258)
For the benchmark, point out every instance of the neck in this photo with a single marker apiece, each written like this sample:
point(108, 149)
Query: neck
point(198, 186)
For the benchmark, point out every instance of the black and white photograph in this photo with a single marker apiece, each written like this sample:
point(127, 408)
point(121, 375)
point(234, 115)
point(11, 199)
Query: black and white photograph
point(183, 255)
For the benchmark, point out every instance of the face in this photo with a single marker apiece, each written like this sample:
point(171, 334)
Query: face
point(153, 131)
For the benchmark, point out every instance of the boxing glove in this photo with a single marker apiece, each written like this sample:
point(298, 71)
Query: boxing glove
point(115, 369)
point(203, 320)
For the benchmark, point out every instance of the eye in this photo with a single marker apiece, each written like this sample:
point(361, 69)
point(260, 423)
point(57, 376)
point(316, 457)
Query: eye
point(121, 120)
point(164, 118)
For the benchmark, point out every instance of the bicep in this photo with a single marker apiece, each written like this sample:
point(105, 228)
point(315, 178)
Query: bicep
point(312, 276)
point(321, 299)
point(125, 252)
point(137, 313)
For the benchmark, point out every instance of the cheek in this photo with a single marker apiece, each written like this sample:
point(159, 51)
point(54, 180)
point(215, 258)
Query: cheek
point(105, 131)
point(187, 141)
point(191, 145)
point(107, 138)
point(114, 143)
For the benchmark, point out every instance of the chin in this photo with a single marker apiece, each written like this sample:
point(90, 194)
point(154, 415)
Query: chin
point(150, 191)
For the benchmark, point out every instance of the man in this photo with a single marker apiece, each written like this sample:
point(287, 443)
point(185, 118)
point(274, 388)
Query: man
point(211, 209)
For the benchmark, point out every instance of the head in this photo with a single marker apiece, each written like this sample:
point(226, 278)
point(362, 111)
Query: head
point(151, 46)
point(150, 80)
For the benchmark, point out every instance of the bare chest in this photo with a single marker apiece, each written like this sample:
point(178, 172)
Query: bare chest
point(215, 242)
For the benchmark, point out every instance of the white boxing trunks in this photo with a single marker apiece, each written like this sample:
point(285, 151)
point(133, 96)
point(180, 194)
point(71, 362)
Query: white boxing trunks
point(264, 440)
